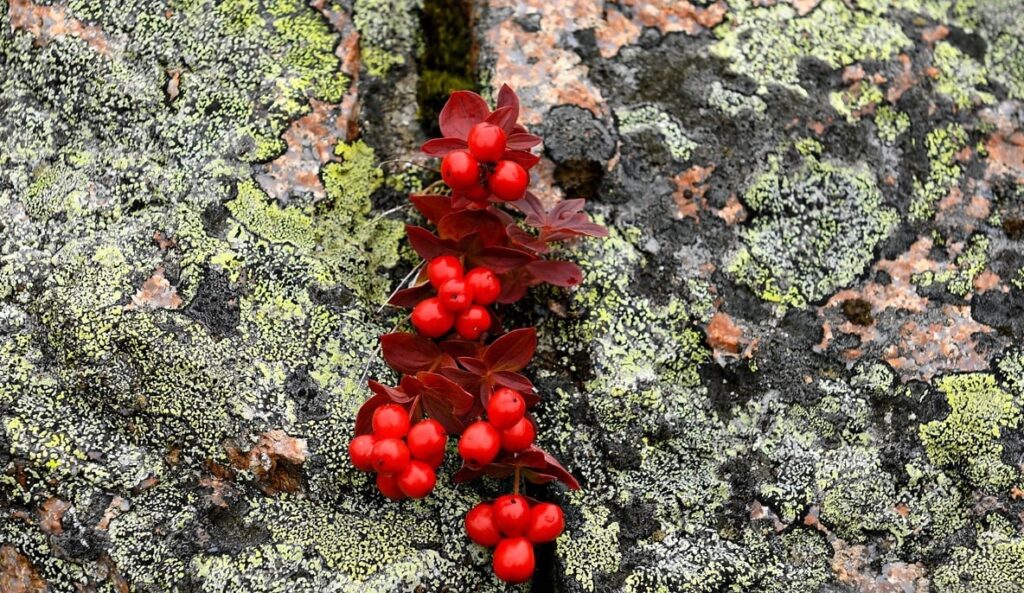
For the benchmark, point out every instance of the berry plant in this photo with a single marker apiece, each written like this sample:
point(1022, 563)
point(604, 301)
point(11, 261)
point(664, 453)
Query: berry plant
point(461, 371)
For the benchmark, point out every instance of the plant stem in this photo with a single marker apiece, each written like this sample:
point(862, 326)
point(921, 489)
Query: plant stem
point(515, 486)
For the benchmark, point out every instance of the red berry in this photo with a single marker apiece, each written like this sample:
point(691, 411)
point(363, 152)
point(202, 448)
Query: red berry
point(390, 421)
point(426, 440)
point(505, 408)
point(511, 514)
point(508, 181)
point(443, 268)
point(435, 461)
point(486, 142)
point(513, 560)
point(417, 479)
point(460, 170)
point(477, 193)
point(480, 525)
point(484, 285)
point(546, 523)
point(519, 437)
point(360, 451)
point(388, 486)
point(431, 319)
point(472, 322)
point(455, 295)
point(390, 456)
point(480, 443)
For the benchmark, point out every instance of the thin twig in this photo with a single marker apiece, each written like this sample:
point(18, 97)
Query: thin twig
point(400, 286)
point(374, 220)
point(373, 355)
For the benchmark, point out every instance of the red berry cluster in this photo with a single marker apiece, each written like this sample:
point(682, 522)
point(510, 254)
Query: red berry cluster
point(468, 382)
point(461, 300)
point(403, 456)
point(506, 429)
point(512, 526)
point(481, 172)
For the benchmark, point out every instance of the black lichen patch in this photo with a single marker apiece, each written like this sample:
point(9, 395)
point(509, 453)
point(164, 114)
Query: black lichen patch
point(216, 303)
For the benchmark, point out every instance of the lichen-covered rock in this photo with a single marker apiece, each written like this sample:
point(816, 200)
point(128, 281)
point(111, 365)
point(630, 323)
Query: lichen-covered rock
point(794, 365)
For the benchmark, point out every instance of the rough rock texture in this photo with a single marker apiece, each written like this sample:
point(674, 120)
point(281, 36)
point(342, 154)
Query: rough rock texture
point(795, 366)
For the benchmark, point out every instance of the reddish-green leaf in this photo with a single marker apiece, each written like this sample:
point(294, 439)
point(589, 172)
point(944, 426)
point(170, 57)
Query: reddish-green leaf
point(457, 225)
point(442, 146)
point(463, 110)
point(433, 207)
point(526, 159)
point(522, 141)
point(557, 273)
point(508, 98)
point(445, 401)
point(512, 351)
point(427, 244)
point(501, 259)
point(410, 297)
point(411, 353)
point(504, 118)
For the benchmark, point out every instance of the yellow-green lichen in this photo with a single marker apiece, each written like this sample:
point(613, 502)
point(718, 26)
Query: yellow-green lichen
point(766, 43)
point(959, 76)
point(815, 230)
point(969, 436)
point(650, 117)
point(851, 103)
point(942, 145)
point(891, 124)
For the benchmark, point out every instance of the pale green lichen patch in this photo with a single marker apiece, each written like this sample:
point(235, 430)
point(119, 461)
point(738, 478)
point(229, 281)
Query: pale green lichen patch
point(891, 124)
point(996, 566)
point(766, 43)
point(942, 145)
point(650, 117)
point(967, 266)
point(959, 76)
point(388, 30)
point(852, 102)
point(815, 230)
point(969, 436)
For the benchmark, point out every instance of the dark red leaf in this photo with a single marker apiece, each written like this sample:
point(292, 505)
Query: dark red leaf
point(432, 206)
point(513, 381)
point(474, 365)
point(427, 244)
point(459, 224)
point(504, 118)
point(564, 221)
point(396, 394)
point(463, 110)
point(365, 415)
point(462, 348)
point(520, 237)
point(442, 146)
point(556, 273)
point(436, 385)
point(411, 353)
point(410, 297)
point(512, 351)
point(445, 401)
point(465, 379)
point(554, 469)
point(531, 206)
point(514, 285)
point(508, 98)
point(526, 159)
point(501, 259)
point(522, 141)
